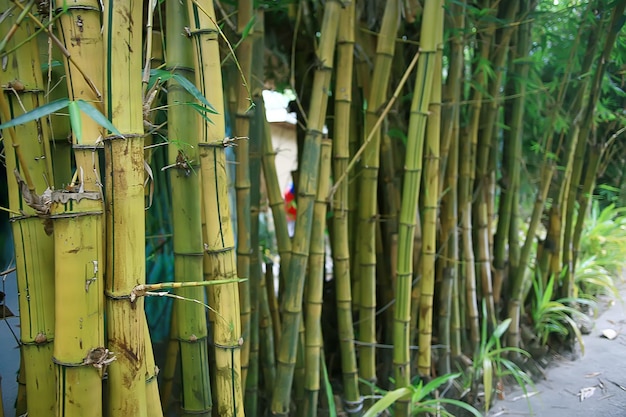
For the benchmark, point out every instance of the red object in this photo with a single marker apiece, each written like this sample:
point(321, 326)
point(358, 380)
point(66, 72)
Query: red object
point(290, 203)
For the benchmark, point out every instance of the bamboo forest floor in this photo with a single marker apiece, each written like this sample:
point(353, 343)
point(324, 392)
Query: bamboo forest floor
point(589, 385)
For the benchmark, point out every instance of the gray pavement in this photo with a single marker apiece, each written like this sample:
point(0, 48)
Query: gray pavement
point(601, 372)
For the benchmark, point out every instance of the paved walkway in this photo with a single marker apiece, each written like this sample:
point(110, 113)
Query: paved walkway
point(601, 372)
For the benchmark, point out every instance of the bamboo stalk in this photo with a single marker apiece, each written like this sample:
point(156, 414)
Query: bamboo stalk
point(341, 209)
point(590, 175)
point(242, 172)
point(368, 207)
point(512, 153)
point(219, 246)
point(478, 165)
point(449, 166)
point(487, 149)
point(315, 286)
point(251, 398)
point(424, 81)
point(520, 279)
point(266, 333)
point(78, 217)
point(34, 247)
point(171, 363)
point(124, 171)
point(432, 51)
point(185, 179)
point(277, 204)
point(307, 187)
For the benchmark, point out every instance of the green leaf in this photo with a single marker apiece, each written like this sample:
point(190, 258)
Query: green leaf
point(98, 117)
point(248, 28)
point(76, 121)
point(193, 90)
point(487, 381)
point(386, 402)
point(38, 113)
point(332, 410)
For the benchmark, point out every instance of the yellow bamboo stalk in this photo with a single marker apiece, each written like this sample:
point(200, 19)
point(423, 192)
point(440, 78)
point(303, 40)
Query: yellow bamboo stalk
point(341, 209)
point(185, 180)
point(219, 245)
point(430, 192)
point(315, 287)
point(27, 152)
point(124, 170)
point(368, 195)
point(78, 216)
point(307, 187)
point(410, 194)
point(242, 173)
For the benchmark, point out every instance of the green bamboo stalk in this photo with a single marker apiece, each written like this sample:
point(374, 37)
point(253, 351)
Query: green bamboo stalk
point(430, 195)
point(242, 172)
point(512, 153)
point(552, 249)
point(219, 246)
point(449, 326)
point(257, 287)
point(171, 363)
point(124, 171)
point(479, 156)
point(368, 194)
point(487, 150)
point(307, 187)
point(590, 175)
point(519, 280)
point(256, 276)
point(185, 179)
point(315, 287)
point(341, 209)
point(449, 166)
point(33, 245)
point(424, 81)
point(266, 333)
point(277, 204)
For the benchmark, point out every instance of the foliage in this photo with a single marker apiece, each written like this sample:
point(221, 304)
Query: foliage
point(423, 398)
point(555, 316)
point(490, 361)
point(602, 251)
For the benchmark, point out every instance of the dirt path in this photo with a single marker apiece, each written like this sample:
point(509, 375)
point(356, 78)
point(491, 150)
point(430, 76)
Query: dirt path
point(601, 372)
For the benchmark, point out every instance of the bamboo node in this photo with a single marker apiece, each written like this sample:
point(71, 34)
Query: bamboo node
point(41, 338)
point(99, 357)
point(353, 407)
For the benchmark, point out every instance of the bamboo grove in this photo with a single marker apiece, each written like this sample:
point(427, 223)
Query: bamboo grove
point(448, 154)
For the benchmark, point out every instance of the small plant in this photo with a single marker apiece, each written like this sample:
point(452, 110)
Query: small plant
point(423, 398)
point(602, 251)
point(556, 316)
point(490, 362)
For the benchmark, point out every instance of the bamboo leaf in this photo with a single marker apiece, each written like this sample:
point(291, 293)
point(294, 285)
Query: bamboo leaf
point(97, 117)
point(386, 402)
point(76, 121)
point(193, 90)
point(37, 113)
point(248, 28)
point(329, 391)
point(487, 381)
point(502, 327)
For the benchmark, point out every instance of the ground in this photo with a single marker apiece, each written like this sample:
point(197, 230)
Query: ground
point(601, 372)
